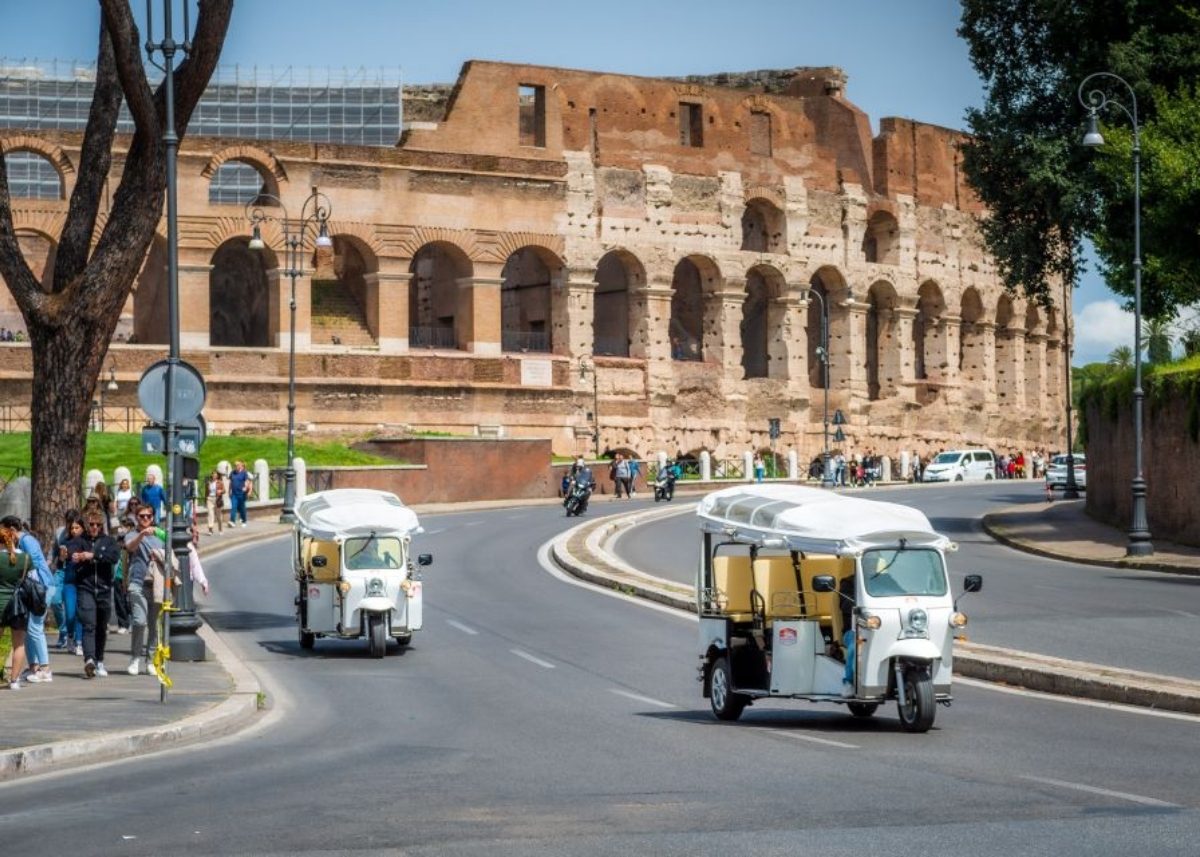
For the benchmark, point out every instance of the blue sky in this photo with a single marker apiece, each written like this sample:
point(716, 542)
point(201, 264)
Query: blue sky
point(902, 58)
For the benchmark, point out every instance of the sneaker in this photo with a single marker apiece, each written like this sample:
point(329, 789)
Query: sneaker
point(40, 677)
point(243, 523)
point(61, 644)
point(150, 670)
point(89, 668)
point(122, 630)
point(100, 670)
point(14, 685)
point(135, 666)
point(847, 690)
point(79, 651)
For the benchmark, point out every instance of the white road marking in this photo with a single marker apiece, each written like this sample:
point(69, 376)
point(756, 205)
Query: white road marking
point(1184, 614)
point(460, 626)
point(1072, 700)
point(433, 532)
point(800, 736)
point(638, 698)
point(532, 659)
point(473, 523)
point(1080, 787)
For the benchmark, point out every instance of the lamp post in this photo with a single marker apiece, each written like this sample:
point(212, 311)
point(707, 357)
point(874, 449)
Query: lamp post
point(108, 387)
point(823, 355)
point(313, 214)
point(1096, 100)
point(1071, 489)
point(589, 366)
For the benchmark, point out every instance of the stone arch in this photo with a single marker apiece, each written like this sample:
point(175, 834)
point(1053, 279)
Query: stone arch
point(527, 299)
point(1006, 348)
point(31, 175)
point(617, 273)
point(762, 319)
point(259, 158)
point(694, 278)
point(764, 228)
point(928, 330)
point(883, 349)
point(240, 181)
point(342, 312)
point(971, 341)
point(881, 239)
point(239, 296)
point(433, 294)
point(58, 159)
point(829, 283)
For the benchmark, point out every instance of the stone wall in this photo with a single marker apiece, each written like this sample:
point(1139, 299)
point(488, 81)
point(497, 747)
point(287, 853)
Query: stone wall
point(1171, 467)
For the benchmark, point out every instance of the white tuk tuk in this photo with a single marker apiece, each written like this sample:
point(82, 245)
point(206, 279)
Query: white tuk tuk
point(786, 571)
point(354, 570)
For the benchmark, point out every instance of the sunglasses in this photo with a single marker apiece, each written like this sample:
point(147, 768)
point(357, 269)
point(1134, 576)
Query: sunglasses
point(95, 526)
point(145, 517)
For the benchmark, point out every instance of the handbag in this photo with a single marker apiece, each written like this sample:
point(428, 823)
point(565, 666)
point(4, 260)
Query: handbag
point(32, 593)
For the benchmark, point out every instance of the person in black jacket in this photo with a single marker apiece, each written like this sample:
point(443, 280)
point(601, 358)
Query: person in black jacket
point(95, 555)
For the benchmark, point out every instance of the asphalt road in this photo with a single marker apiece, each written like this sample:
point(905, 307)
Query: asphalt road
point(536, 716)
point(1142, 620)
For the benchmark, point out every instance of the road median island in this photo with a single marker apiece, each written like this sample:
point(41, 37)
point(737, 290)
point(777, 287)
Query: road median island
point(585, 552)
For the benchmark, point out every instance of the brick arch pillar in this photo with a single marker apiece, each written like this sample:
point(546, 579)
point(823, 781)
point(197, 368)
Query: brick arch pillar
point(573, 310)
point(279, 292)
point(651, 314)
point(195, 270)
point(949, 332)
point(848, 348)
point(1055, 386)
point(788, 346)
point(723, 327)
point(1035, 371)
point(477, 314)
point(891, 355)
point(1010, 368)
point(903, 318)
point(387, 304)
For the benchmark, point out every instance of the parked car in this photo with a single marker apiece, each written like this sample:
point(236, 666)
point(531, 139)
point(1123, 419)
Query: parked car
point(961, 465)
point(1056, 473)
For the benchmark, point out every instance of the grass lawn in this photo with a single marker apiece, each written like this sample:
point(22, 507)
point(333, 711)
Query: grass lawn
point(109, 450)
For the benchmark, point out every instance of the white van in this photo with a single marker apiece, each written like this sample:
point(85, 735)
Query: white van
point(961, 465)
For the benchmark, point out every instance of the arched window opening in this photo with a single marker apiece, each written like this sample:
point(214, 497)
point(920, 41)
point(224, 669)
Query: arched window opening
point(239, 183)
point(970, 339)
point(817, 356)
point(433, 296)
point(238, 295)
point(926, 334)
point(763, 228)
point(339, 294)
point(755, 327)
point(687, 313)
point(611, 325)
point(31, 176)
point(525, 301)
point(881, 239)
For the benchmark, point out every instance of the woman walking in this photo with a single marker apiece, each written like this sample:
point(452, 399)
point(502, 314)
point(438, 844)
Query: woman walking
point(214, 501)
point(35, 629)
point(14, 564)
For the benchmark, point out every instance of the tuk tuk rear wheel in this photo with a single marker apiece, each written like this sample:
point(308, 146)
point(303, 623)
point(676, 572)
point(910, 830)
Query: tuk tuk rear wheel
point(377, 629)
point(726, 705)
point(307, 639)
point(917, 708)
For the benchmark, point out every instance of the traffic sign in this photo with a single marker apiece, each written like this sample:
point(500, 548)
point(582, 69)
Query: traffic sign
point(839, 419)
point(188, 392)
point(773, 428)
point(189, 437)
point(839, 435)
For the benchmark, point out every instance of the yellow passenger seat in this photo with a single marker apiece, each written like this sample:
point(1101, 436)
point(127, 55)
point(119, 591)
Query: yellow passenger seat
point(775, 580)
point(733, 579)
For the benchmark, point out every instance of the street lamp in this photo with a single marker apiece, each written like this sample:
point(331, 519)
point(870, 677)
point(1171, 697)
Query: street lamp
point(823, 356)
point(313, 214)
point(586, 366)
point(1095, 101)
point(109, 387)
point(1071, 489)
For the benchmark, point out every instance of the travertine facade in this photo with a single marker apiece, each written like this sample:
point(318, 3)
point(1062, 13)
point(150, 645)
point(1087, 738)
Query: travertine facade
point(667, 233)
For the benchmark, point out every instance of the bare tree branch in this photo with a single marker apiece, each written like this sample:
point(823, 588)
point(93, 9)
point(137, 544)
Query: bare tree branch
point(95, 159)
point(122, 29)
point(193, 74)
point(13, 268)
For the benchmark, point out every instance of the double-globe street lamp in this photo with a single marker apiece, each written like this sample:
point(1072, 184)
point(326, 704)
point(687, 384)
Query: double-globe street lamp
point(823, 356)
point(314, 215)
point(1096, 100)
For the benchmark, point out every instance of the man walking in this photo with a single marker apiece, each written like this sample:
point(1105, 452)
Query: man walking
point(94, 566)
point(241, 486)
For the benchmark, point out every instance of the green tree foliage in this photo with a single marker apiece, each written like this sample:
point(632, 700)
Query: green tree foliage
point(1121, 357)
point(1044, 190)
point(1156, 333)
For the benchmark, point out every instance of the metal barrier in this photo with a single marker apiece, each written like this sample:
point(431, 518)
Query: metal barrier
point(116, 418)
point(432, 337)
point(525, 340)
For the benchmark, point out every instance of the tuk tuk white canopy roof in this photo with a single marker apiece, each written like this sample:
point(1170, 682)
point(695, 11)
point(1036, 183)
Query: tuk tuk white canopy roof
point(343, 512)
point(813, 520)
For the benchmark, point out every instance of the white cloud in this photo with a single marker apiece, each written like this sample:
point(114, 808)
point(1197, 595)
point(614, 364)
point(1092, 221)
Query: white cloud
point(1099, 328)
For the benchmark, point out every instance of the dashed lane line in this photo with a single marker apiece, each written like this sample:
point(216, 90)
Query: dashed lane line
point(1080, 787)
point(532, 659)
point(800, 736)
point(460, 626)
point(636, 697)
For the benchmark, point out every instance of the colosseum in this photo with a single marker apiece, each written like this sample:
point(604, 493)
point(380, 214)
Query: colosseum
point(546, 252)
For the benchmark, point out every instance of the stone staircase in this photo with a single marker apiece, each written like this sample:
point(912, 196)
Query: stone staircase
point(337, 319)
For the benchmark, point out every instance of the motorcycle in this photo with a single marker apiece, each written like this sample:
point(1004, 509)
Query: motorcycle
point(664, 485)
point(577, 498)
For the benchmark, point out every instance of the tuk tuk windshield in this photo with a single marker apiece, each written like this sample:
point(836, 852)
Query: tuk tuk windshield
point(904, 572)
point(372, 551)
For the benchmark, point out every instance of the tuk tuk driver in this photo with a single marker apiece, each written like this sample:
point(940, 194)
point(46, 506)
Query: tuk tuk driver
point(371, 555)
point(846, 601)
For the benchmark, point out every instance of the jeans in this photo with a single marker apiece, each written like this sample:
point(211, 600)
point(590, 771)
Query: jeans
point(56, 606)
point(850, 642)
point(143, 610)
point(35, 635)
point(71, 627)
point(237, 506)
point(93, 613)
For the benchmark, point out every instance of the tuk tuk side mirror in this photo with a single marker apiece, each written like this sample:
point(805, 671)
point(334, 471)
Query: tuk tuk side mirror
point(972, 583)
point(319, 561)
point(824, 583)
point(425, 559)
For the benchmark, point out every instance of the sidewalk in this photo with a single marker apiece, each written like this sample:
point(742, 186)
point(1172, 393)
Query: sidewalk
point(1063, 530)
point(74, 720)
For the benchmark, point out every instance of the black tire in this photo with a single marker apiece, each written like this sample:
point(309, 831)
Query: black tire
point(726, 705)
point(862, 709)
point(307, 638)
point(988, 477)
point(572, 506)
point(377, 635)
point(403, 639)
point(918, 707)
point(958, 478)
point(658, 494)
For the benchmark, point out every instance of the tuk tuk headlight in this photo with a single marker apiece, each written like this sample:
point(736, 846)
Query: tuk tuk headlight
point(344, 587)
point(870, 620)
point(374, 586)
point(918, 620)
point(958, 620)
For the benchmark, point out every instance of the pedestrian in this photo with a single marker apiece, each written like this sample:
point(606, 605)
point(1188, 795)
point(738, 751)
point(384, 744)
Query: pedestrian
point(63, 603)
point(108, 506)
point(121, 499)
point(14, 565)
point(152, 495)
point(635, 468)
point(139, 545)
point(195, 569)
point(620, 470)
point(241, 486)
point(72, 628)
point(36, 650)
point(760, 469)
point(214, 501)
point(94, 566)
point(839, 470)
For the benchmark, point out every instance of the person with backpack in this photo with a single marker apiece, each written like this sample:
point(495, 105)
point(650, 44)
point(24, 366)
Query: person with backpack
point(36, 649)
point(14, 565)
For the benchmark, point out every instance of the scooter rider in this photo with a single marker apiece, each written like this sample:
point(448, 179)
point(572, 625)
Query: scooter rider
point(581, 474)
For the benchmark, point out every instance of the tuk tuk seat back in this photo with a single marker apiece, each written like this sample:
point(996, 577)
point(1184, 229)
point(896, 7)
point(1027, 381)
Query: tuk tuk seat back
point(776, 581)
point(733, 579)
point(825, 606)
point(331, 570)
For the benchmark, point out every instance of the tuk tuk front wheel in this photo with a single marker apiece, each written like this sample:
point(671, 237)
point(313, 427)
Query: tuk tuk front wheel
point(917, 706)
point(377, 630)
point(726, 705)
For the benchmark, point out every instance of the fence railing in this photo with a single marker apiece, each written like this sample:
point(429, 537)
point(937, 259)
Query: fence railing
point(432, 337)
point(525, 340)
point(123, 418)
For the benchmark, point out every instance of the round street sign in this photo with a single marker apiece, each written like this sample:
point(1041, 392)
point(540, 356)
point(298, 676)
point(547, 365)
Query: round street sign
point(188, 392)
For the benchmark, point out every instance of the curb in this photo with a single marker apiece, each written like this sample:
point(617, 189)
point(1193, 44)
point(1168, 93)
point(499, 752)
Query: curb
point(581, 551)
point(999, 532)
point(223, 718)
